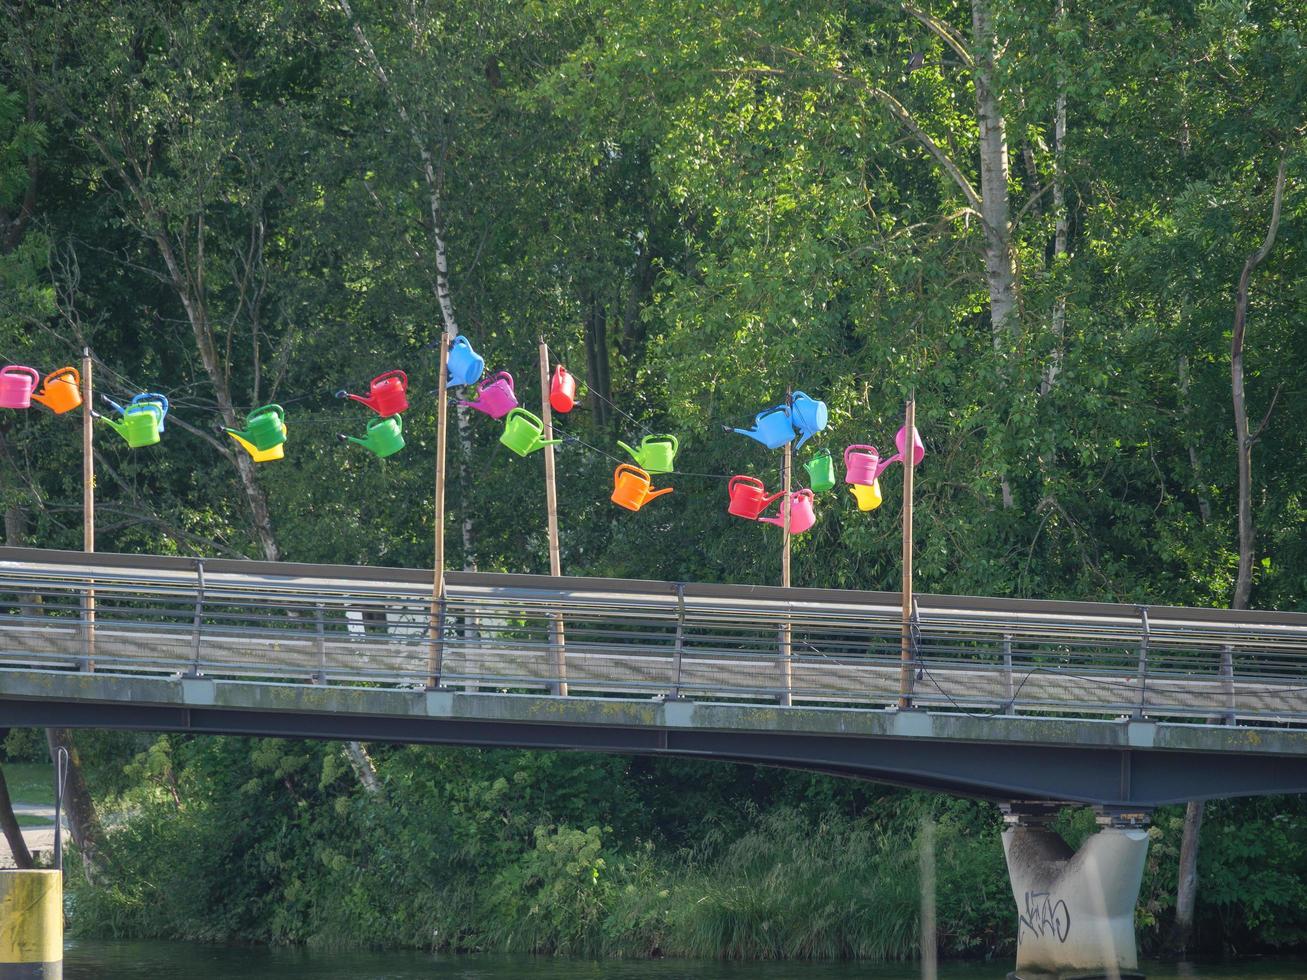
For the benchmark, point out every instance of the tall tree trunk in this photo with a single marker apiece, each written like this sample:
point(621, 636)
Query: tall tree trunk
point(1059, 213)
point(83, 822)
point(596, 355)
point(1187, 883)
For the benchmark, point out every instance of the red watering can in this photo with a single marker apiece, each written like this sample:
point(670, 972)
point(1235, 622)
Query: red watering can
point(495, 396)
point(748, 497)
point(387, 395)
point(862, 464)
point(62, 391)
point(632, 487)
point(17, 383)
point(562, 391)
point(802, 516)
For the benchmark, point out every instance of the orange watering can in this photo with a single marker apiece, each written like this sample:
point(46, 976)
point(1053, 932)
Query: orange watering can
point(17, 382)
point(632, 487)
point(562, 391)
point(62, 391)
point(387, 394)
point(802, 515)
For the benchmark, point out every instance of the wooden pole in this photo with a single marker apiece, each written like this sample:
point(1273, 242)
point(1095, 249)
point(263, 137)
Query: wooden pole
point(88, 496)
point(905, 649)
point(557, 651)
point(437, 652)
point(787, 648)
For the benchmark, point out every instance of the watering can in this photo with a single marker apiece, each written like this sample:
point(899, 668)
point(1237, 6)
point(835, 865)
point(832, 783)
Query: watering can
point(384, 437)
point(657, 454)
point(809, 416)
point(387, 394)
point(261, 455)
point(862, 464)
point(62, 391)
point(632, 487)
point(140, 425)
point(821, 471)
point(264, 427)
point(523, 431)
point(772, 427)
point(463, 366)
point(17, 382)
point(802, 516)
point(867, 495)
point(562, 391)
point(918, 448)
point(495, 396)
point(748, 497)
point(151, 398)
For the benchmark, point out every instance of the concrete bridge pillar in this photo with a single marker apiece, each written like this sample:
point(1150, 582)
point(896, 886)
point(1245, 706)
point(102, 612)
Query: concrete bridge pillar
point(1075, 909)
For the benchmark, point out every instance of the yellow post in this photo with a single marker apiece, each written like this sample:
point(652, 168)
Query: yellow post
point(31, 925)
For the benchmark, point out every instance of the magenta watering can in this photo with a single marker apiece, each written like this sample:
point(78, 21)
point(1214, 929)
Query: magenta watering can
point(900, 440)
point(17, 382)
point(772, 427)
point(495, 396)
point(802, 515)
point(861, 464)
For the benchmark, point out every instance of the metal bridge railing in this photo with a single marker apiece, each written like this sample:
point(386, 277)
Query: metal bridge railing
point(324, 624)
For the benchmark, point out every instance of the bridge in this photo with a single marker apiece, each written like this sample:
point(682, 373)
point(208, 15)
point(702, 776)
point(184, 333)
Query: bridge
point(1027, 703)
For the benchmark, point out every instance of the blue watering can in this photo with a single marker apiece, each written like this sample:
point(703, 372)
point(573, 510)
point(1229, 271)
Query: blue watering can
point(809, 416)
point(145, 398)
point(464, 365)
point(771, 427)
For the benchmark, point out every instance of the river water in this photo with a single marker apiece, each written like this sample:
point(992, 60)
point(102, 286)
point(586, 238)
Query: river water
point(84, 960)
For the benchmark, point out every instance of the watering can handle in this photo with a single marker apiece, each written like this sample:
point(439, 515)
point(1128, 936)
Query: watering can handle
point(24, 369)
point(735, 480)
point(53, 375)
point(393, 374)
point(146, 397)
point(628, 468)
point(849, 449)
point(667, 436)
point(459, 341)
point(276, 410)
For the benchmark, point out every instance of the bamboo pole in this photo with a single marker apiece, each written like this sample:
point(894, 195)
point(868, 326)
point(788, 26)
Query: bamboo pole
point(437, 651)
point(787, 647)
point(909, 463)
point(557, 650)
point(88, 497)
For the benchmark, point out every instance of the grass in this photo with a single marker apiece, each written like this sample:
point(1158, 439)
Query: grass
point(30, 782)
point(27, 820)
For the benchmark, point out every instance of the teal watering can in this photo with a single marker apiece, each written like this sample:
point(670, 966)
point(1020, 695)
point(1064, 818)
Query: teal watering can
point(657, 454)
point(384, 437)
point(264, 428)
point(809, 416)
point(140, 425)
point(772, 427)
point(463, 366)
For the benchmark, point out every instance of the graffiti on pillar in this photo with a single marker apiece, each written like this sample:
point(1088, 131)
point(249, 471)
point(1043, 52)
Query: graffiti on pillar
point(1046, 916)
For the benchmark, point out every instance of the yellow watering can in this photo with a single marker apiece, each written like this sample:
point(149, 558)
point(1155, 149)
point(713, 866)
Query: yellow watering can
point(261, 455)
point(867, 496)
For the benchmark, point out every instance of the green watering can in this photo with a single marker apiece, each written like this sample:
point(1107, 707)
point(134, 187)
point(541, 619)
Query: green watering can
point(821, 471)
point(657, 454)
point(384, 437)
point(140, 424)
point(523, 431)
point(264, 428)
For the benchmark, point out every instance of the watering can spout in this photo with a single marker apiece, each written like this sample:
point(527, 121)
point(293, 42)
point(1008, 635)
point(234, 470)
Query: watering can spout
point(118, 427)
point(634, 455)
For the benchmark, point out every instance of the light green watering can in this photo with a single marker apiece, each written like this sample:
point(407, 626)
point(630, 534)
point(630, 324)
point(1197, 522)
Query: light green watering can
point(523, 433)
point(657, 454)
point(821, 471)
point(384, 437)
point(264, 428)
point(140, 424)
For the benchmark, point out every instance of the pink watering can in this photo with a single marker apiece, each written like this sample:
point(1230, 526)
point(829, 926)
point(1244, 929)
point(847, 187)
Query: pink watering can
point(900, 440)
point(861, 464)
point(495, 396)
point(802, 515)
point(17, 383)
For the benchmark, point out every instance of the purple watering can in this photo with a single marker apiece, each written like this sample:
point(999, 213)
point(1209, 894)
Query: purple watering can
point(802, 515)
point(771, 427)
point(495, 396)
